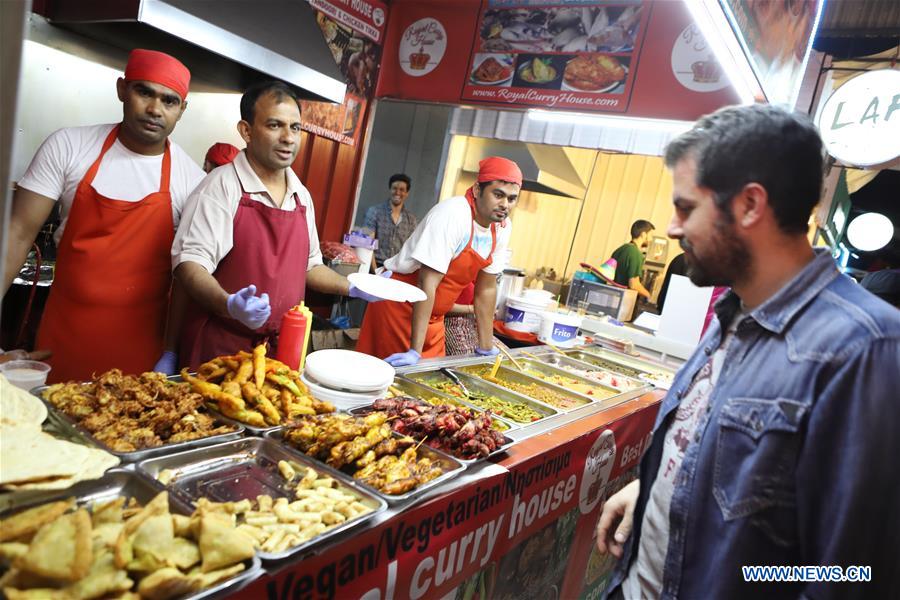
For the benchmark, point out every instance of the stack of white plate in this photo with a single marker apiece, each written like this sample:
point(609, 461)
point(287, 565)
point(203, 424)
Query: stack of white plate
point(345, 378)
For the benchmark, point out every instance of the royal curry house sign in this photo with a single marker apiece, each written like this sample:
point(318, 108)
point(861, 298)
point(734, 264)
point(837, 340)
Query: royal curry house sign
point(860, 122)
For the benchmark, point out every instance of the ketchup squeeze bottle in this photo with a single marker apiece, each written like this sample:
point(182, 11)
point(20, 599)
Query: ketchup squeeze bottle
point(293, 338)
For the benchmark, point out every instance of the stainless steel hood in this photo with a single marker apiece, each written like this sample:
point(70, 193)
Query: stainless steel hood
point(545, 169)
point(227, 44)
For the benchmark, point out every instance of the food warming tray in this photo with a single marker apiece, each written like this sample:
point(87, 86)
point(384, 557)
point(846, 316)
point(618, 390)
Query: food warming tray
point(452, 468)
point(476, 384)
point(516, 376)
point(68, 425)
point(559, 361)
point(122, 482)
point(422, 391)
point(551, 371)
point(630, 367)
point(245, 469)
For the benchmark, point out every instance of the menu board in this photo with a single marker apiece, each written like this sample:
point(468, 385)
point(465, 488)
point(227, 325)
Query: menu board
point(557, 54)
point(354, 33)
point(776, 37)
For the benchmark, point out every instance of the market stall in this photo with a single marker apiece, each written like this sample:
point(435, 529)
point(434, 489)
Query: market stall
point(501, 465)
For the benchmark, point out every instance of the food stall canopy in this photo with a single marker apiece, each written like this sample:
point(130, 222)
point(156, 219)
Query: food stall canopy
point(227, 45)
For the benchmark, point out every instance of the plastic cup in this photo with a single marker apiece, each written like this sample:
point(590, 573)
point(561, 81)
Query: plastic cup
point(25, 374)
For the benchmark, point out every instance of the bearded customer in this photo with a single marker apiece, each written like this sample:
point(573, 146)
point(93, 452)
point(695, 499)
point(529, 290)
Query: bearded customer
point(775, 437)
point(390, 221)
point(457, 243)
point(247, 247)
point(121, 189)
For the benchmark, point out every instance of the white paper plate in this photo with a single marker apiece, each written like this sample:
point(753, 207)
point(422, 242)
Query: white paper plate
point(348, 370)
point(341, 400)
point(387, 288)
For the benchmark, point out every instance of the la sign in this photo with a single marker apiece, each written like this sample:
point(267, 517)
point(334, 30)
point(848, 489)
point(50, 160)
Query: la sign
point(860, 122)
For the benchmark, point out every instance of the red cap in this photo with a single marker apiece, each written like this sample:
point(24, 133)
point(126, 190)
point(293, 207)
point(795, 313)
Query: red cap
point(497, 168)
point(221, 153)
point(158, 67)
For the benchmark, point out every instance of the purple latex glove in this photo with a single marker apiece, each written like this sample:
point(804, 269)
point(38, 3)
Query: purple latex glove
point(492, 352)
point(355, 292)
point(167, 363)
point(403, 359)
point(248, 308)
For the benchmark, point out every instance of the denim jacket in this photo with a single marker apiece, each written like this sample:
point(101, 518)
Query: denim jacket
point(795, 462)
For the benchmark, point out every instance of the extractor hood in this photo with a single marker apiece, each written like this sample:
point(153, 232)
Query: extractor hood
point(545, 169)
point(227, 44)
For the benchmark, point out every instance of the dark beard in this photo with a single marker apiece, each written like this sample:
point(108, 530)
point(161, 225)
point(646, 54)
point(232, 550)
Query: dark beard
point(727, 258)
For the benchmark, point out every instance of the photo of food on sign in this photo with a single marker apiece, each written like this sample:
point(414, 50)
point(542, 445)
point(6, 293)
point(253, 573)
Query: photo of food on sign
point(560, 29)
point(597, 73)
point(357, 56)
point(536, 567)
point(539, 71)
point(492, 69)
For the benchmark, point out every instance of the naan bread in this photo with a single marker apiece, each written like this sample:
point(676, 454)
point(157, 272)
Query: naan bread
point(34, 460)
point(18, 408)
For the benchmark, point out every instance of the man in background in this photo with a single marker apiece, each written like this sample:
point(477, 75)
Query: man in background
point(391, 223)
point(630, 258)
point(219, 154)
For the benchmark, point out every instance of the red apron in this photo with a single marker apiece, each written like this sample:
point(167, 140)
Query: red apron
point(386, 327)
point(271, 250)
point(108, 302)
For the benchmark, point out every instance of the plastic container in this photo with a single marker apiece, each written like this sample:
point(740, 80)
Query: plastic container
point(293, 337)
point(525, 315)
point(560, 329)
point(25, 374)
point(535, 295)
point(365, 258)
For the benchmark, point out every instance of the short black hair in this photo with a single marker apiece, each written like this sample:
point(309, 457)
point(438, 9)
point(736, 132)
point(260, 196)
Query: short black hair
point(279, 89)
point(761, 143)
point(639, 227)
point(400, 177)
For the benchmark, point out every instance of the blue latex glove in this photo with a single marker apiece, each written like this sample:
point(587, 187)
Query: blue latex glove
point(248, 308)
point(403, 359)
point(492, 352)
point(167, 363)
point(355, 292)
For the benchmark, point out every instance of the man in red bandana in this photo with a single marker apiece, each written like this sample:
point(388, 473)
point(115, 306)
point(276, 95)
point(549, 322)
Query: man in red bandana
point(460, 241)
point(120, 188)
point(219, 154)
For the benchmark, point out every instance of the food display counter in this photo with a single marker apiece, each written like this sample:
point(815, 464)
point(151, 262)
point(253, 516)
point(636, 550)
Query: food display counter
point(422, 494)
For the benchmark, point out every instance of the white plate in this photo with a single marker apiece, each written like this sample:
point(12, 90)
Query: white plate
point(341, 400)
point(348, 370)
point(387, 288)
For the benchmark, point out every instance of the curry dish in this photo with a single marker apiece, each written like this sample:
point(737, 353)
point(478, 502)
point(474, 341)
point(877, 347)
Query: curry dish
point(593, 72)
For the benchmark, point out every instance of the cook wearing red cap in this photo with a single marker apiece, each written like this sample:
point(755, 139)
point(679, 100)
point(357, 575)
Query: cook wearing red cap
point(460, 241)
point(219, 154)
point(121, 189)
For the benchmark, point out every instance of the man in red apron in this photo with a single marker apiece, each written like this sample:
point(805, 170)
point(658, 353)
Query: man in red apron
point(120, 188)
point(247, 247)
point(452, 247)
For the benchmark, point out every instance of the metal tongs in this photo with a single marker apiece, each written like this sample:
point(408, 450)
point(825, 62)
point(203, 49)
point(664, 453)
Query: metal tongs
point(452, 377)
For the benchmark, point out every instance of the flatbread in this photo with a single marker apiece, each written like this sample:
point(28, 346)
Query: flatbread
point(18, 408)
point(36, 460)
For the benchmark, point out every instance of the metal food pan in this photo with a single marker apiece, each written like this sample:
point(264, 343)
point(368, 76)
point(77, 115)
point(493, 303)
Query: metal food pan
point(479, 385)
point(507, 442)
point(68, 425)
point(422, 391)
point(248, 468)
point(559, 361)
point(625, 365)
point(517, 376)
point(551, 371)
point(212, 408)
point(122, 482)
point(452, 468)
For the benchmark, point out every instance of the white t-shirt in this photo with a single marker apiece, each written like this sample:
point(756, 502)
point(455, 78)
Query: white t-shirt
point(206, 234)
point(65, 156)
point(645, 577)
point(443, 234)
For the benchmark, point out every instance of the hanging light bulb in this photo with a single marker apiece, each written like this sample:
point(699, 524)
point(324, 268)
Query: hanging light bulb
point(870, 231)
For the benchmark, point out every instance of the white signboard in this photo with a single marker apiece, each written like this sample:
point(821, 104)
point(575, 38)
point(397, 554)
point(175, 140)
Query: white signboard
point(860, 122)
